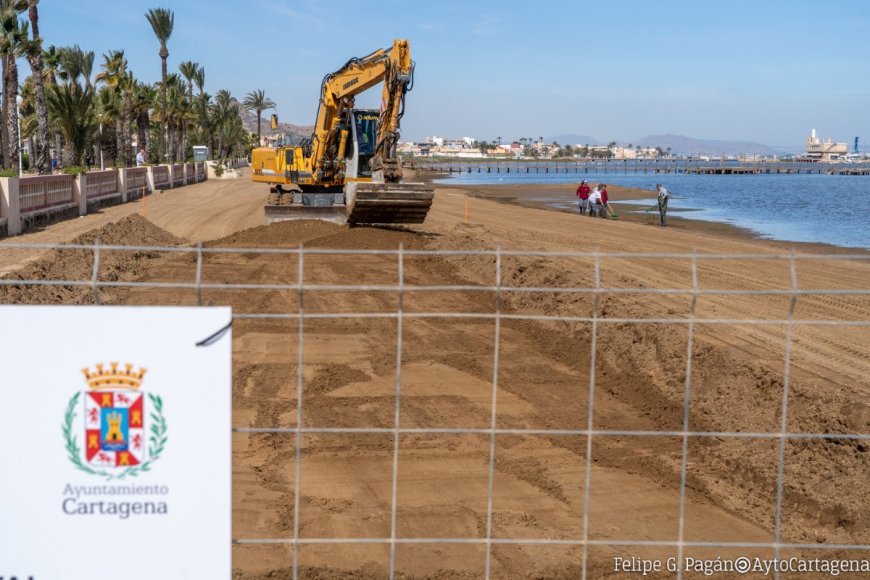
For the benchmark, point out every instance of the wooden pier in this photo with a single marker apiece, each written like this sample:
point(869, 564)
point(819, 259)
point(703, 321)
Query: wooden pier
point(643, 166)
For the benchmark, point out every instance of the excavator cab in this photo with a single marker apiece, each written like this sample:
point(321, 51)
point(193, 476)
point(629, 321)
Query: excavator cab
point(361, 146)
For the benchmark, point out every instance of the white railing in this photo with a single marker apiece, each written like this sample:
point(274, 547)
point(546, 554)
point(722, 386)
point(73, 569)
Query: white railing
point(45, 191)
point(100, 183)
point(161, 175)
point(137, 180)
point(53, 194)
point(177, 174)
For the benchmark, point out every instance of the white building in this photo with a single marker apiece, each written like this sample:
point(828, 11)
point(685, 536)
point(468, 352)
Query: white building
point(819, 150)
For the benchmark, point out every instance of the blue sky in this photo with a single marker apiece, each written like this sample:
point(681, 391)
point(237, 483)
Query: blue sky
point(758, 70)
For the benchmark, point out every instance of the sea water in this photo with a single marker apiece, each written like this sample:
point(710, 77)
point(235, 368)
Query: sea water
point(832, 209)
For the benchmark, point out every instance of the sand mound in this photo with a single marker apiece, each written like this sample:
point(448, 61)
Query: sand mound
point(77, 265)
point(320, 234)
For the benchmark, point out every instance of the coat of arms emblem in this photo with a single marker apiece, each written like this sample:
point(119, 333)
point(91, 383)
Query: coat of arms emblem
point(123, 427)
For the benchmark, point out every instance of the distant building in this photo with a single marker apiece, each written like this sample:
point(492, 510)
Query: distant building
point(624, 153)
point(818, 150)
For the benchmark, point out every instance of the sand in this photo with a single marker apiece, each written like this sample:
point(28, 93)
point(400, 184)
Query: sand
point(349, 370)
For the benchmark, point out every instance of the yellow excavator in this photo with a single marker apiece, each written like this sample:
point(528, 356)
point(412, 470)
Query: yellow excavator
point(349, 170)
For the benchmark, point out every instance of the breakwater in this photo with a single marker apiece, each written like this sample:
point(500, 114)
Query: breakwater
point(639, 166)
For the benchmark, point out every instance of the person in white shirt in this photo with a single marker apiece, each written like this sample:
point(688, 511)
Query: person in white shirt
point(663, 195)
point(594, 202)
point(140, 158)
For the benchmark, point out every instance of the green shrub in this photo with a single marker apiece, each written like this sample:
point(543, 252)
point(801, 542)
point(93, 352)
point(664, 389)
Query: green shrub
point(218, 169)
point(74, 170)
point(7, 173)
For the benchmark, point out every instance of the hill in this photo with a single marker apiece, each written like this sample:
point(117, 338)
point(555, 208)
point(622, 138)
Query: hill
point(682, 145)
point(249, 122)
point(679, 144)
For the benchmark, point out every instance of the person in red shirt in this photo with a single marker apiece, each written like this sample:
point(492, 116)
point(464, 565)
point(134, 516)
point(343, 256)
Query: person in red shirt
point(583, 194)
point(602, 188)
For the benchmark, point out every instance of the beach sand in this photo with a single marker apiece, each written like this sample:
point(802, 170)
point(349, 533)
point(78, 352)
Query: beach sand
point(737, 383)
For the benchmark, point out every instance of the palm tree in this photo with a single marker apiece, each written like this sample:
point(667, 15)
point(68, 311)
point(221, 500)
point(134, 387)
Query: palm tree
point(27, 116)
point(143, 102)
point(73, 110)
point(188, 70)
point(225, 119)
point(71, 103)
point(108, 113)
point(258, 102)
point(199, 79)
point(34, 58)
point(51, 62)
point(121, 86)
point(177, 104)
point(162, 21)
point(74, 63)
point(13, 36)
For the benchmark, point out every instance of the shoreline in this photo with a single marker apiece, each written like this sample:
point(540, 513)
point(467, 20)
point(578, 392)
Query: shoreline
point(521, 195)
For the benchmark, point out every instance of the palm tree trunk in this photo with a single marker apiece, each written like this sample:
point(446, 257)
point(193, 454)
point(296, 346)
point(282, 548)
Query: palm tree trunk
point(119, 141)
point(170, 128)
point(4, 114)
point(164, 134)
point(203, 121)
point(128, 114)
point(69, 155)
point(58, 146)
point(41, 160)
point(11, 91)
point(142, 127)
point(39, 155)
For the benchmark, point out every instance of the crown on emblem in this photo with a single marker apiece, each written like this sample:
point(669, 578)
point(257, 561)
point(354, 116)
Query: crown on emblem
point(114, 377)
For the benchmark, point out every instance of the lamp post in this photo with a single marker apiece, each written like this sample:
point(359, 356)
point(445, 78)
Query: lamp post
point(102, 166)
point(18, 101)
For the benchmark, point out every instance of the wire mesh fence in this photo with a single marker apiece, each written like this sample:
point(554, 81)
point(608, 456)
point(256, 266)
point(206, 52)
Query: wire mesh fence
point(303, 288)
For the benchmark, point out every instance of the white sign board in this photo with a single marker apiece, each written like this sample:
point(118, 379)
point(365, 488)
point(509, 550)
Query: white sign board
point(114, 443)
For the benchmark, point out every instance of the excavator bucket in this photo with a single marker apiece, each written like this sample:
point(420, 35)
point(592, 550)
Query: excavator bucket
point(361, 203)
point(387, 203)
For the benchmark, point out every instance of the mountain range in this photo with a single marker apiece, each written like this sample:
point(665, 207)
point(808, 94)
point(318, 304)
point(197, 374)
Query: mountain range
point(249, 122)
point(679, 144)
